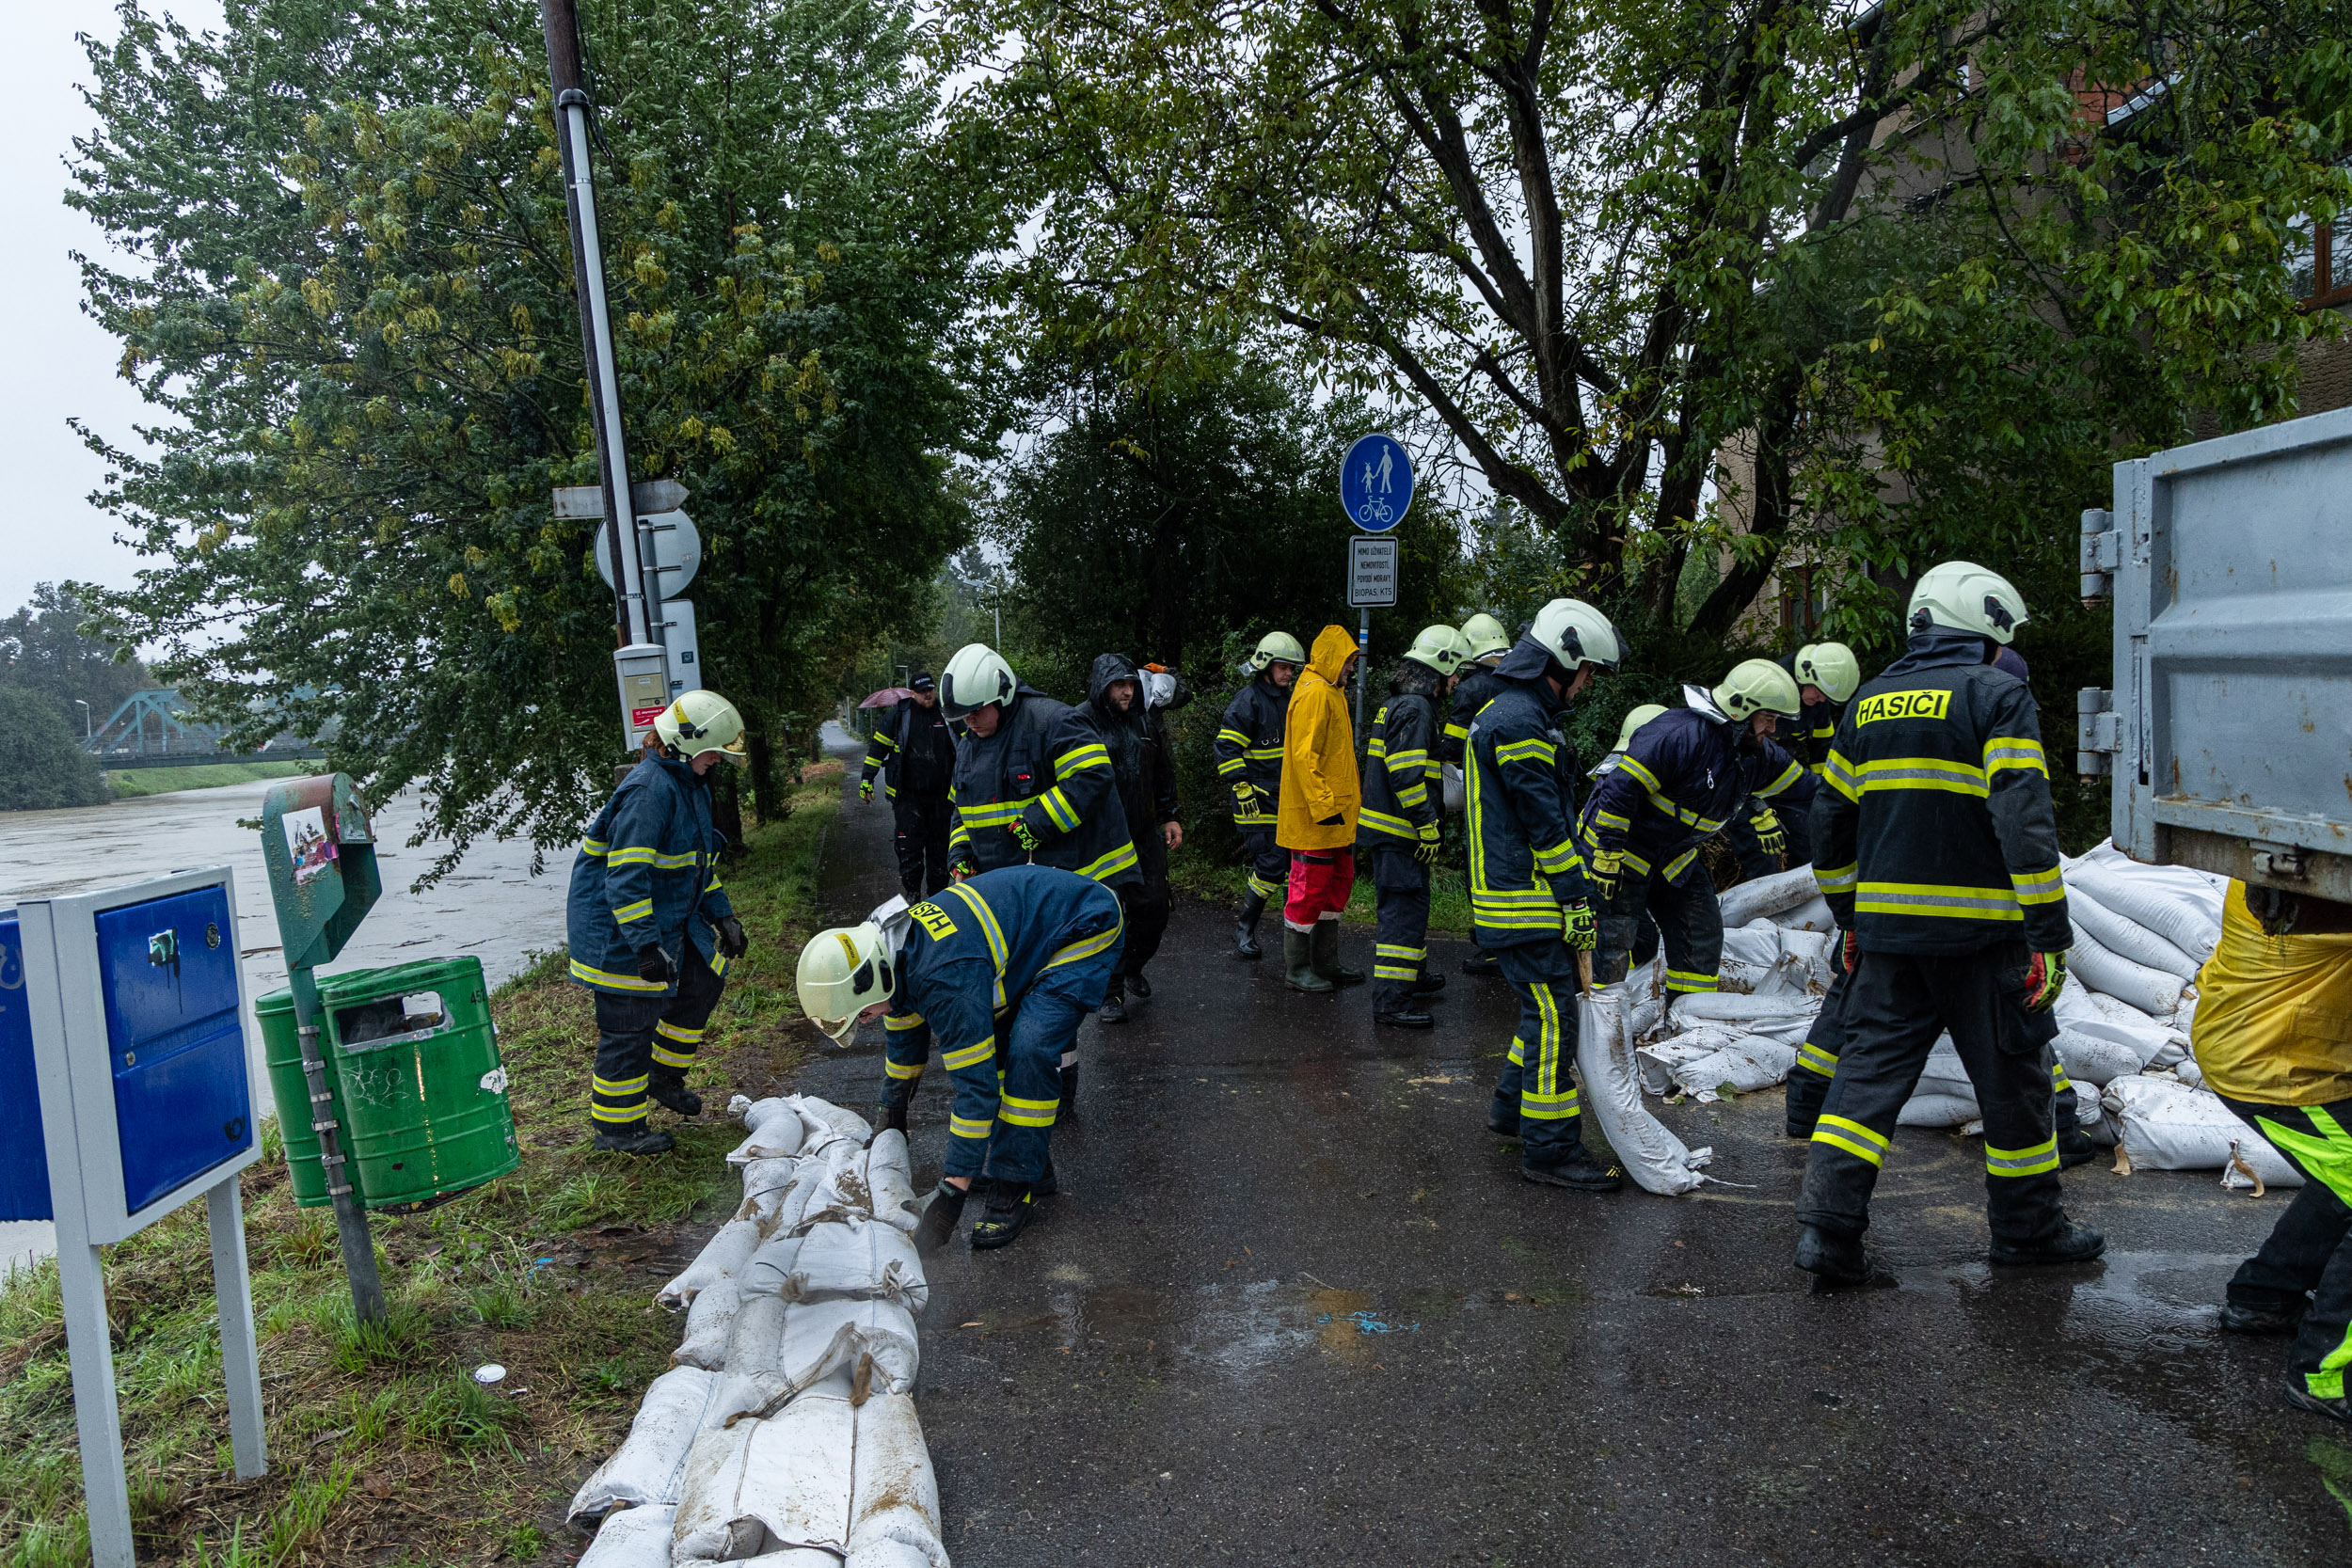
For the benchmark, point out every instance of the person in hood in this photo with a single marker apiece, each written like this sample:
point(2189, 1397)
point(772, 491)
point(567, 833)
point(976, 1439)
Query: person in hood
point(1033, 779)
point(1316, 821)
point(1143, 770)
point(919, 748)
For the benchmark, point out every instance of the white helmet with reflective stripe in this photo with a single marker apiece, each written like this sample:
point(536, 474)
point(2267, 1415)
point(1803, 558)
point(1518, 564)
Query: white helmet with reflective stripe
point(1830, 666)
point(1277, 648)
point(844, 971)
point(1485, 637)
point(977, 676)
point(1575, 633)
point(700, 722)
point(1440, 647)
point(1965, 596)
point(1757, 686)
point(1634, 721)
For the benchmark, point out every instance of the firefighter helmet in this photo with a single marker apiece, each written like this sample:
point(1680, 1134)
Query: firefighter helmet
point(1440, 647)
point(1485, 637)
point(1965, 596)
point(1574, 633)
point(1757, 686)
point(844, 971)
point(977, 676)
point(1634, 721)
point(1830, 666)
point(700, 722)
point(1278, 647)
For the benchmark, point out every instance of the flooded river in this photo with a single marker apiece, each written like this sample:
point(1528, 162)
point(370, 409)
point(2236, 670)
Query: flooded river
point(491, 905)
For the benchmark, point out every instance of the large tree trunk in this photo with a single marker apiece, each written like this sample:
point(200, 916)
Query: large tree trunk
point(1776, 433)
point(769, 800)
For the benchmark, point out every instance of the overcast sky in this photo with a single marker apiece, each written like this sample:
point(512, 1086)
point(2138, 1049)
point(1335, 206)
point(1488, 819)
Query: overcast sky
point(54, 362)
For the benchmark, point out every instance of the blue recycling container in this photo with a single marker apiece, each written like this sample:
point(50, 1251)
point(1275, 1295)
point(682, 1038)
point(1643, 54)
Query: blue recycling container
point(24, 1153)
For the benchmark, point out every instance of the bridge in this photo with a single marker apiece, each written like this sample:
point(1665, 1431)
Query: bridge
point(152, 730)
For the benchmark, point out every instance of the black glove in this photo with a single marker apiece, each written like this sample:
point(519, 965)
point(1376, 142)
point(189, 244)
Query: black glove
point(654, 964)
point(1335, 820)
point(732, 942)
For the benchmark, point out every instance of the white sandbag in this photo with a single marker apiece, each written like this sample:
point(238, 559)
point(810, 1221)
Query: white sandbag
point(1660, 1060)
point(763, 1485)
point(841, 1260)
point(2104, 1017)
point(825, 1121)
point(795, 1557)
point(1611, 1090)
point(886, 1553)
point(2179, 904)
point(631, 1538)
point(2188, 1073)
point(821, 1338)
point(1785, 1019)
point(758, 1326)
point(2091, 1060)
point(1944, 1072)
point(1752, 1064)
point(646, 1469)
point(1937, 1110)
point(2148, 989)
point(1768, 895)
point(777, 1138)
point(894, 1498)
point(1812, 915)
point(722, 1256)
point(1806, 955)
point(2167, 1125)
point(890, 1180)
point(1756, 942)
point(709, 1325)
point(1645, 991)
point(2125, 938)
point(840, 1192)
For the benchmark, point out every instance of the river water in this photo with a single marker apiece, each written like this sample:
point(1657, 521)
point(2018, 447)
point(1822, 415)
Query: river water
point(491, 905)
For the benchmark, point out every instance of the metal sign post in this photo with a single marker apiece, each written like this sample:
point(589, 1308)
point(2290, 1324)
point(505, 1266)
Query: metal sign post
point(1376, 492)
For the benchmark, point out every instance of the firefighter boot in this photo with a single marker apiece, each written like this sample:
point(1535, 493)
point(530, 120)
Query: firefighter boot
point(939, 1217)
point(1010, 1207)
point(2070, 1244)
point(890, 1114)
point(1503, 1116)
point(1114, 1008)
point(1430, 983)
point(2074, 1146)
point(1833, 1259)
point(1326, 955)
point(1575, 1170)
point(1299, 964)
point(668, 1088)
point(632, 1138)
point(1482, 966)
point(1246, 930)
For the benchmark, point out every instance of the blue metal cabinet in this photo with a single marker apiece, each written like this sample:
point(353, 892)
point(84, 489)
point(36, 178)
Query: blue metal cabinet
point(24, 1154)
point(167, 970)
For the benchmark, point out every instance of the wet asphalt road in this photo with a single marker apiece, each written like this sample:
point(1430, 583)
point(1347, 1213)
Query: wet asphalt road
point(1293, 1305)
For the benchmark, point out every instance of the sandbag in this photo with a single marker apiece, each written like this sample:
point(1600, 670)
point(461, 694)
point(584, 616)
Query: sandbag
point(887, 1553)
point(2091, 1060)
point(646, 1468)
point(709, 1326)
point(821, 1338)
point(1937, 1110)
point(1814, 914)
point(794, 1557)
point(825, 1121)
point(1701, 1062)
point(1768, 895)
point(1785, 1019)
point(1611, 1090)
point(2126, 939)
point(2104, 1017)
point(778, 1211)
point(1944, 1072)
point(631, 1538)
point(1810, 953)
point(722, 1256)
point(764, 1485)
point(1645, 991)
point(894, 1498)
point(841, 1260)
point(1659, 1060)
point(2148, 989)
point(2167, 1125)
point(2182, 906)
point(839, 1189)
point(890, 1180)
point(779, 1137)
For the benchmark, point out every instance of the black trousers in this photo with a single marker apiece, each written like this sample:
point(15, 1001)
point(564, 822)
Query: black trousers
point(640, 1035)
point(923, 822)
point(1269, 865)
point(2308, 1252)
point(1689, 922)
point(1145, 907)
point(1538, 1080)
point(1895, 1005)
point(1401, 946)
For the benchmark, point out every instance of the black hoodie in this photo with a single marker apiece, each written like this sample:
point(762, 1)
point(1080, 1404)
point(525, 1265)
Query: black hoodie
point(1142, 764)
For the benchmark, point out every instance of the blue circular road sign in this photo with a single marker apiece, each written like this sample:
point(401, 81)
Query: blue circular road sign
point(1376, 484)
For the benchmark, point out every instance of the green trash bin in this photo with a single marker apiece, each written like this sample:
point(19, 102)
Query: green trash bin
point(413, 1070)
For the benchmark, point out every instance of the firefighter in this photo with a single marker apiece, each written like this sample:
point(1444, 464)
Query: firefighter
point(1826, 675)
point(1937, 848)
point(1682, 774)
point(648, 924)
point(919, 745)
point(1143, 767)
point(1399, 824)
point(1487, 643)
point(1646, 929)
point(1001, 968)
point(1248, 752)
point(1316, 820)
point(1529, 903)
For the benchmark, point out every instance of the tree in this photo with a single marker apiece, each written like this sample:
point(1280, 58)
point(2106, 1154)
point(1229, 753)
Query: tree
point(351, 289)
point(43, 649)
point(1601, 243)
point(40, 765)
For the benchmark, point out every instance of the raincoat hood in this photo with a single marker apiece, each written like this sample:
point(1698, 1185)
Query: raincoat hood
point(1334, 646)
point(1526, 661)
point(1109, 667)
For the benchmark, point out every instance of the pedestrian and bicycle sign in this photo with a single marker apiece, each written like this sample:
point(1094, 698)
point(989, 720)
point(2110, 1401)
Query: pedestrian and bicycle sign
point(1371, 572)
point(1376, 484)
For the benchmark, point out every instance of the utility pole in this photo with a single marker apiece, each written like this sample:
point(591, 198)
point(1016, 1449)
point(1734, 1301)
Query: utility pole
point(639, 661)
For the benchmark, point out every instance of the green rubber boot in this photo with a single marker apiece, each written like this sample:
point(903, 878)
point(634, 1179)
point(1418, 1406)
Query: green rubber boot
point(1326, 951)
point(1298, 962)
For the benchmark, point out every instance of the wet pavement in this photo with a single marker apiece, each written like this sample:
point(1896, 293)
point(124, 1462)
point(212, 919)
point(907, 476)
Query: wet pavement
point(1294, 1305)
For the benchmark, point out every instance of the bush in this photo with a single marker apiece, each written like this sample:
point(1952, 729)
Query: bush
point(40, 766)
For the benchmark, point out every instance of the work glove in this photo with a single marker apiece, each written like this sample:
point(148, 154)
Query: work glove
point(2045, 976)
point(959, 870)
point(1604, 870)
point(1021, 834)
point(654, 964)
point(1770, 836)
point(732, 942)
point(866, 791)
point(1426, 851)
point(1577, 927)
point(1245, 799)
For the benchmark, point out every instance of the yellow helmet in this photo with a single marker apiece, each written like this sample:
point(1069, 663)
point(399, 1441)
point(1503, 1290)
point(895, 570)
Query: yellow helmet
point(1278, 647)
point(844, 971)
point(1830, 666)
point(1634, 721)
point(1485, 637)
point(1440, 647)
point(702, 721)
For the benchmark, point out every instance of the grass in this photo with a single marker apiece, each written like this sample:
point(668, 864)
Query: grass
point(383, 1447)
point(131, 783)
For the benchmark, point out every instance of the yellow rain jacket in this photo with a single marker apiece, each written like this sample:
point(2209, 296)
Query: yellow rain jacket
point(1319, 752)
point(2274, 1014)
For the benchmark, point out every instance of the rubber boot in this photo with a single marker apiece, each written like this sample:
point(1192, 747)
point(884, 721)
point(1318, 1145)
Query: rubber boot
point(1832, 1259)
point(1299, 964)
point(1575, 1170)
point(890, 1115)
point(670, 1089)
point(2072, 1243)
point(2259, 1319)
point(1246, 930)
point(1478, 966)
point(1405, 1018)
point(632, 1138)
point(939, 1218)
point(1141, 987)
point(1430, 983)
point(1010, 1207)
point(1326, 955)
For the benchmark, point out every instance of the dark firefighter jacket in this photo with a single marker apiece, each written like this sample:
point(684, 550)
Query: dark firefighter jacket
point(1808, 736)
point(1934, 831)
point(919, 747)
point(1248, 746)
point(1478, 685)
point(1047, 767)
point(1683, 775)
point(1143, 767)
point(1523, 862)
point(1398, 771)
point(646, 874)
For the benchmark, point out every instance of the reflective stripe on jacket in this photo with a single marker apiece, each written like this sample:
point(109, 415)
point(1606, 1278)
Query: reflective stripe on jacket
point(917, 745)
point(1478, 685)
point(1935, 832)
point(1523, 861)
point(647, 872)
point(1045, 767)
point(1248, 746)
point(1398, 773)
point(1680, 780)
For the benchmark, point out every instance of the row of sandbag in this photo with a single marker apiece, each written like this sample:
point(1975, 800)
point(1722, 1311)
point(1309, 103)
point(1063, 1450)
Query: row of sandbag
point(1778, 951)
point(784, 1434)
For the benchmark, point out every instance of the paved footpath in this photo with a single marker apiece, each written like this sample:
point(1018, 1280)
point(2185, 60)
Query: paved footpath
point(1295, 1306)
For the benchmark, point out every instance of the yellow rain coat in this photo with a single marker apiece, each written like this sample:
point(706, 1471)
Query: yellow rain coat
point(1319, 752)
point(2274, 1014)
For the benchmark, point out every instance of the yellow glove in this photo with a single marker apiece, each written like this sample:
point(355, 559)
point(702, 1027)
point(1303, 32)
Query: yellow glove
point(1604, 868)
point(1770, 836)
point(1426, 851)
point(1577, 927)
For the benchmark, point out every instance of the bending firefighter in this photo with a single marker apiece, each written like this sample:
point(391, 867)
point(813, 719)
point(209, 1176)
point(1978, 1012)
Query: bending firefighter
point(920, 748)
point(1826, 675)
point(1248, 752)
point(1937, 849)
point(649, 926)
point(1399, 825)
point(1529, 903)
point(1001, 968)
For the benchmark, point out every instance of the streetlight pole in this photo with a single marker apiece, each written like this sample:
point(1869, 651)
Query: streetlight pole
point(85, 729)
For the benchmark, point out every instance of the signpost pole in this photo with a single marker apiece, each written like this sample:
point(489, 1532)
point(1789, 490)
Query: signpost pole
point(1363, 669)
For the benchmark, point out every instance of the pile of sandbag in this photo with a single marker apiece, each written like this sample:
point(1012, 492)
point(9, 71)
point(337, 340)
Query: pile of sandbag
point(784, 1432)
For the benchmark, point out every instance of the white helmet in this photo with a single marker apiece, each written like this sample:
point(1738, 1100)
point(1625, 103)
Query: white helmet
point(844, 971)
point(1485, 637)
point(1634, 721)
point(1440, 647)
point(700, 722)
point(1277, 648)
point(1575, 633)
point(977, 676)
point(1967, 597)
point(1830, 666)
point(1757, 686)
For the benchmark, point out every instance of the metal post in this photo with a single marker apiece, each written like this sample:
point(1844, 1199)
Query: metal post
point(105, 1489)
point(240, 1363)
point(1363, 669)
point(85, 729)
point(351, 1221)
